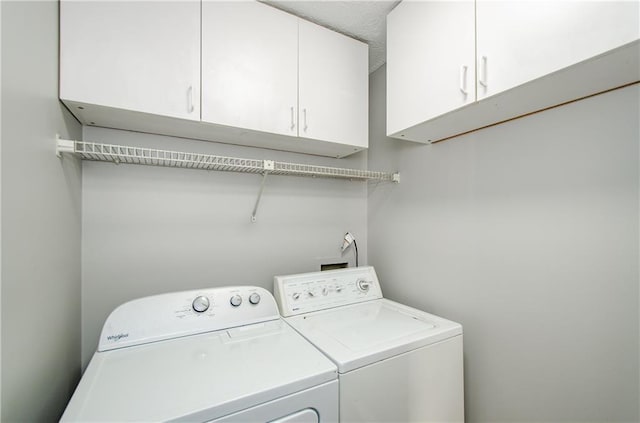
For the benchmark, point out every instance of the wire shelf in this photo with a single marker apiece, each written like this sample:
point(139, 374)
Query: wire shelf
point(154, 157)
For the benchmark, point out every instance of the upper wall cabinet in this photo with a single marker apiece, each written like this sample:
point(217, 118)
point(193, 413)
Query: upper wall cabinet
point(527, 56)
point(138, 56)
point(430, 61)
point(268, 79)
point(519, 41)
point(334, 86)
point(250, 67)
point(269, 71)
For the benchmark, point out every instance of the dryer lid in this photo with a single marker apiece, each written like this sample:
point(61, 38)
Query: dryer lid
point(199, 377)
point(357, 335)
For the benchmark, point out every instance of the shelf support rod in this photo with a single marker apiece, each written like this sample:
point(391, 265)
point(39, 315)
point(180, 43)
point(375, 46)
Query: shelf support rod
point(268, 166)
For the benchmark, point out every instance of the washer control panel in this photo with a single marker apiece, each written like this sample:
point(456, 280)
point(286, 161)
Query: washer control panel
point(185, 313)
point(307, 292)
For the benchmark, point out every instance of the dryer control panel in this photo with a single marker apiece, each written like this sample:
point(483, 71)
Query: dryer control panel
point(307, 292)
point(178, 314)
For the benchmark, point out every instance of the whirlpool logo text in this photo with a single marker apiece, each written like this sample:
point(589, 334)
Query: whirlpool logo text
point(115, 338)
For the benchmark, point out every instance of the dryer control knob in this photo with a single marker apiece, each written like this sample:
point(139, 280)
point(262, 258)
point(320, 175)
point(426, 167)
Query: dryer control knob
point(236, 300)
point(254, 298)
point(325, 291)
point(200, 304)
point(296, 295)
point(363, 285)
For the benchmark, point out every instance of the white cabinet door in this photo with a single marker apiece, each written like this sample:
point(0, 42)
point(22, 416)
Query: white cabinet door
point(333, 86)
point(134, 55)
point(430, 60)
point(249, 66)
point(518, 41)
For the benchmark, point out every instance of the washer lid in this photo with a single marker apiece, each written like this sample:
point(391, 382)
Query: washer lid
point(357, 335)
point(199, 377)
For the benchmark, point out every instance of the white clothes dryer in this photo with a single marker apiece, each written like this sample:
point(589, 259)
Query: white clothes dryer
point(212, 355)
point(395, 363)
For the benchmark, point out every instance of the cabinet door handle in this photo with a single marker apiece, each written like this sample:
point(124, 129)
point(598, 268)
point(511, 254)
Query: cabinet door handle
point(304, 114)
point(463, 79)
point(190, 105)
point(483, 72)
point(293, 123)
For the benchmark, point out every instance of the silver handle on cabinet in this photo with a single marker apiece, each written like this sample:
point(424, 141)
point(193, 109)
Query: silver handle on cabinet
point(190, 106)
point(293, 123)
point(304, 114)
point(463, 79)
point(482, 80)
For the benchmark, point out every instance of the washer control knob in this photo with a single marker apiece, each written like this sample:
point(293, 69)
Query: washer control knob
point(311, 293)
point(325, 291)
point(338, 288)
point(254, 298)
point(363, 285)
point(200, 304)
point(236, 300)
point(295, 295)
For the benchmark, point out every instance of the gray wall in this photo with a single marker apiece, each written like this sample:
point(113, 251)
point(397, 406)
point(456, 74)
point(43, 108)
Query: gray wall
point(0, 214)
point(527, 234)
point(40, 222)
point(148, 230)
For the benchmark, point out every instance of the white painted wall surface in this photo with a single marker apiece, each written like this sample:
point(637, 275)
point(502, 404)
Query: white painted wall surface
point(149, 230)
point(527, 234)
point(40, 222)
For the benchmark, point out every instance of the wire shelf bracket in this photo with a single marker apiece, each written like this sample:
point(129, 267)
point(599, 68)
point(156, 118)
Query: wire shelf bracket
point(153, 157)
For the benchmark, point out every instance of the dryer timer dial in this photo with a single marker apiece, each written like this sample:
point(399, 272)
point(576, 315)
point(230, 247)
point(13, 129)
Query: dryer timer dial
point(200, 304)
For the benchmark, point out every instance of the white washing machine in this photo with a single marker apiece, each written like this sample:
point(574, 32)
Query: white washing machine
point(395, 363)
point(214, 355)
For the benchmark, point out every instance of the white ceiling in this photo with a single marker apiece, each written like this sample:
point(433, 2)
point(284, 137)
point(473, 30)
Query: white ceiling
point(362, 20)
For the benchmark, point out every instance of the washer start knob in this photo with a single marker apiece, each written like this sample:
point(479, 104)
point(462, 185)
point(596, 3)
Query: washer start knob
point(236, 300)
point(254, 298)
point(363, 285)
point(200, 304)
